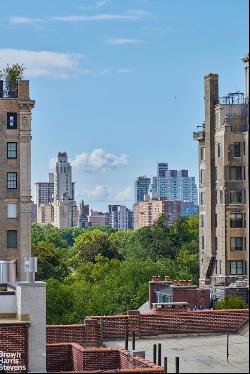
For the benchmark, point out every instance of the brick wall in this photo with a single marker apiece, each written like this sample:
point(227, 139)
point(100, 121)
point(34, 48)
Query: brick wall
point(14, 339)
point(59, 357)
point(181, 292)
point(66, 334)
point(72, 357)
point(98, 328)
point(194, 297)
point(151, 324)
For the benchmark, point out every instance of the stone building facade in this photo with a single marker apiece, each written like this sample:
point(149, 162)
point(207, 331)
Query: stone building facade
point(15, 175)
point(224, 185)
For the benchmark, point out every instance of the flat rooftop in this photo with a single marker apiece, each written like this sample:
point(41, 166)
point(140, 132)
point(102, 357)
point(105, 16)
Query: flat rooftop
point(198, 354)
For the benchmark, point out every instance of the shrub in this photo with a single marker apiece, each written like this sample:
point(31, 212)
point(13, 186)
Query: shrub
point(231, 302)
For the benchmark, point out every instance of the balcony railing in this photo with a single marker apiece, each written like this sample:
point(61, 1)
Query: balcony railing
point(8, 89)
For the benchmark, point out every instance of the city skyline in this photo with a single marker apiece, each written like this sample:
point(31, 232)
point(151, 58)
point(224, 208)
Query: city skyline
point(79, 56)
point(44, 191)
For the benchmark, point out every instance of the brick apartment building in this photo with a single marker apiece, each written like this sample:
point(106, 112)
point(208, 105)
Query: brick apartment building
point(148, 211)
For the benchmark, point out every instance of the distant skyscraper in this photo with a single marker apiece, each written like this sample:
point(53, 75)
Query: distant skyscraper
point(162, 168)
point(83, 214)
point(45, 191)
point(141, 188)
point(174, 185)
point(55, 198)
point(63, 186)
point(120, 217)
point(177, 185)
point(147, 212)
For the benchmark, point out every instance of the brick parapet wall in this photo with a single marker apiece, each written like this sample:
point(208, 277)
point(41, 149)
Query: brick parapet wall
point(63, 357)
point(14, 339)
point(58, 357)
point(66, 334)
point(173, 323)
point(98, 328)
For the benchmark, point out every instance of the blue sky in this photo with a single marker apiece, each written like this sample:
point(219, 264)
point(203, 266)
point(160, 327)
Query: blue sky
point(118, 84)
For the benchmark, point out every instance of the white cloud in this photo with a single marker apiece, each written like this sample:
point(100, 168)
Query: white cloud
point(106, 194)
point(25, 20)
point(99, 193)
point(52, 163)
point(44, 63)
point(125, 71)
point(122, 41)
point(99, 160)
point(125, 195)
point(132, 16)
point(101, 4)
point(98, 5)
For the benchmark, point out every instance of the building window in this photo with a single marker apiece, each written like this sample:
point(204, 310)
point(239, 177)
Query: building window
point(202, 195)
point(237, 220)
point(12, 180)
point(11, 120)
point(12, 239)
point(216, 267)
point(244, 148)
point(11, 150)
point(235, 197)
point(236, 149)
point(237, 244)
point(215, 220)
point(219, 150)
point(202, 242)
point(202, 220)
point(202, 153)
point(202, 176)
point(12, 210)
point(237, 267)
point(215, 244)
point(235, 173)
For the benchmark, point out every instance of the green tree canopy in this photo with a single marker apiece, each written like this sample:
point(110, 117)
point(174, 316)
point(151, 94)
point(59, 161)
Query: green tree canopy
point(91, 243)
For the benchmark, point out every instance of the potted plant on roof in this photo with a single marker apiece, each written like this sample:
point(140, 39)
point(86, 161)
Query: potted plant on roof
point(9, 77)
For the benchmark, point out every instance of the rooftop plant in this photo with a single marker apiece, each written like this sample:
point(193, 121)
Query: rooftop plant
point(12, 73)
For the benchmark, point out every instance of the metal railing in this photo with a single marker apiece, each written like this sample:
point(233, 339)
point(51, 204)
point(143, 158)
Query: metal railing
point(8, 89)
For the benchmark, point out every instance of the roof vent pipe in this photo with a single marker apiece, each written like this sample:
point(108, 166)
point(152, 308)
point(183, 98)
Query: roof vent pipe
point(30, 265)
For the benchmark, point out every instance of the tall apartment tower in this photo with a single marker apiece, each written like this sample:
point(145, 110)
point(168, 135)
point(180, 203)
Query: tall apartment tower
point(63, 186)
point(177, 185)
point(224, 185)
point(45, 191)
point(15, 174)
point(162, 167)
point(141, 188)
point(120, 217)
